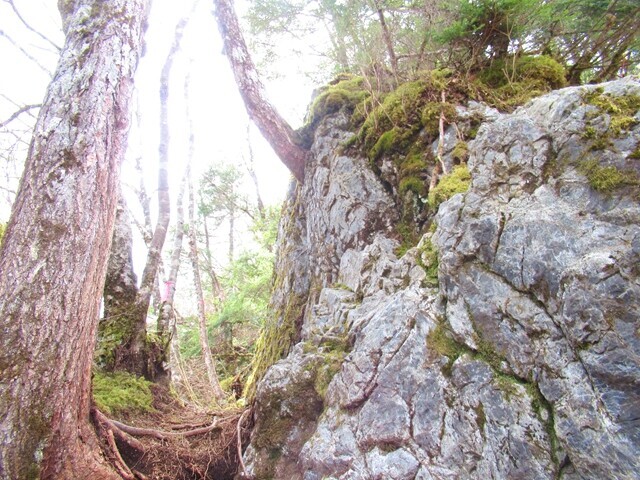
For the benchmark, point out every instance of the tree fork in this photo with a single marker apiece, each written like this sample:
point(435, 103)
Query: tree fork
point(275, 129)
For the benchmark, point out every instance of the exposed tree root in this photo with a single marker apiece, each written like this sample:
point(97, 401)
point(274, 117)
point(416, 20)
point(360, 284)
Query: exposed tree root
point(239, 443)
point(175, 443)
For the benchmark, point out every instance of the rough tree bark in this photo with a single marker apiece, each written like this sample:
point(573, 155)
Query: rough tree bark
point(53, 259)
point(121, 342)
point(217, 391)
point(275, 129)
point(216, 287)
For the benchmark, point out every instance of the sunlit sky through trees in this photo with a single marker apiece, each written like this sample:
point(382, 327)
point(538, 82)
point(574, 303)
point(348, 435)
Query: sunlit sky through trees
point(216, 110)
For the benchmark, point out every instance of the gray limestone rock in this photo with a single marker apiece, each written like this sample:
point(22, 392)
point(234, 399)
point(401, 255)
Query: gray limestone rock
point(525, 361)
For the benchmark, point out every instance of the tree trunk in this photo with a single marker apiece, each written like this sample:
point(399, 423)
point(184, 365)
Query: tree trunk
point(254, 177)
point(166, 310)
point(121, 340)
point(216, 288)
point(275, 129)
point(388, 41)
point(157, 354)
point(232, 231)
point(217, 391)
point(53, 259)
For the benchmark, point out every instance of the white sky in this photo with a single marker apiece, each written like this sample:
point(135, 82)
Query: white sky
point(217, 111)
point(218, 114)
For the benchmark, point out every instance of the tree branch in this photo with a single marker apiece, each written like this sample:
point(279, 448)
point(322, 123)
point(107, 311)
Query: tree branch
point(19, 112)
point(30, 28)
point(26, 54)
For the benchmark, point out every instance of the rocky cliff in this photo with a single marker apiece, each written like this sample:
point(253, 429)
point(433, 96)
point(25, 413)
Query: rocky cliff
point(521, 361)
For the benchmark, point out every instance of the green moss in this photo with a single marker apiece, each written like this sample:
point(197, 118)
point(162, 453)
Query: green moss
point(481, 418)
point(460, 152)
point(440, 341)
point(541, 70)
point(488, 353)
point(428, 260)
point(430, 116)
point(635, 155)
point(385, 144)
point(408, 237)
point(412, 164)
point(623, 105)
point(606, 179)
point(341, 286)
point(600, 143)
point(114, 334)
point(457, 181)
point(281, 329)
point(274, 343)
point(332, 362)
point(508, 384)
point(398, 109)
point(622, 123)
point(411, 184)
point(589, 132)
point(621, 111)
point(512, 82)
point(120, 392)
point(345, 91)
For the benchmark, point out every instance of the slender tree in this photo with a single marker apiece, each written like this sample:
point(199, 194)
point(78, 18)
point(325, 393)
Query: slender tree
point(217, 391)
point(53, 259)
point(275, 129)
point(150, 272)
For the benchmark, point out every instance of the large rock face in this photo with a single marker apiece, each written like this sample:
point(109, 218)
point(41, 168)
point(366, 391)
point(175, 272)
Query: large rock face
point(523, 363)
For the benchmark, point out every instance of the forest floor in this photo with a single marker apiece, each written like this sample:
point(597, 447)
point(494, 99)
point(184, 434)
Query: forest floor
point(177, 440)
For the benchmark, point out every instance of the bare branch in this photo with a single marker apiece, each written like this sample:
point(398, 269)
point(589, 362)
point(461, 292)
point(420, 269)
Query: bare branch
point(19, 112)
point(27, 54)
point(30, 28)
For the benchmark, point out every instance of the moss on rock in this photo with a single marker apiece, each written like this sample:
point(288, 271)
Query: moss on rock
point(429, 261)
point(606, 179)
point(511, 82)
point(457, 181)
